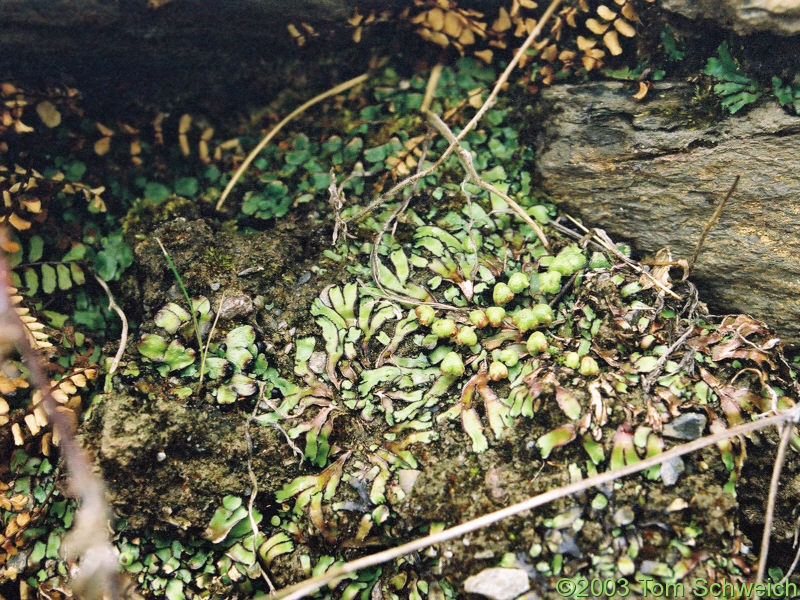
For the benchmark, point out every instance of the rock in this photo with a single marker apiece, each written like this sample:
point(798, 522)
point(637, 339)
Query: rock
point(498, 583)
point(781, 17)
point(688, 426)
point(653, 173)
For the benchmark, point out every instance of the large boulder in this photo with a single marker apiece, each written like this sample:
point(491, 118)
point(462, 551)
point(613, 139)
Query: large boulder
point(653, 173)
point(781, 17)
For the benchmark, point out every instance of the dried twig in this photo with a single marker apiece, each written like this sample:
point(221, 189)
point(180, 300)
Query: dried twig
point(499, 84)
point(466, 161)
point(297, 111)
point(711, 222)
point(769, 514)
point(311, 585)
point(123, 338)
point(600, 239)
point(208, 342)
point(254, 484)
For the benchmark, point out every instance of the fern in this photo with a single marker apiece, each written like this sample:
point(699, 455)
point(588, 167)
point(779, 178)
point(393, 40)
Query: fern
point(736, 89)
point(788, 95)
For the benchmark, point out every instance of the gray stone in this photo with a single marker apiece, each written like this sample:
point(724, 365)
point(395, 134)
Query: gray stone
point(653, 173)
point(781, 17)
point(498, 583)
point(688, 426)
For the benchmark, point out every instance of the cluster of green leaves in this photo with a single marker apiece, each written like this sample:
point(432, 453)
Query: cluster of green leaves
point(378, 136)
point(737, 89)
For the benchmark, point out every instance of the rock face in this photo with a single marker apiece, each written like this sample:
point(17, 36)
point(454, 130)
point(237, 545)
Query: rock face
point(647, 172)
point(781, 17)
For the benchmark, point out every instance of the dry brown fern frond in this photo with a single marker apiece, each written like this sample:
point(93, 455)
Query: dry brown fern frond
point(575, 41)
point(26, 194)
point(50, 106)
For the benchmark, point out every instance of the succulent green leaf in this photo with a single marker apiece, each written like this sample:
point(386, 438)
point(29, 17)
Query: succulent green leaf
point(177, 356)
point(241, 337)
point(560, 436)
point(473, 428)
point(152, 346)
point(400, 262)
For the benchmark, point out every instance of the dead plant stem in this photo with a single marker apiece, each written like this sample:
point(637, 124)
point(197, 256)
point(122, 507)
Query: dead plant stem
point(123, 338)
point(501, 81)
point(711, 222)
point(208, 342)
point(466, 161)
point(338, 89)
point(769, 514)
point(88, 540)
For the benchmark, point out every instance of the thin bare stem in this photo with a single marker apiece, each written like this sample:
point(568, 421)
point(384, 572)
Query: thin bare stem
point(267, 138)
point(208, 341)
point(254, 484)
point(430, 88)
point(311, 585)
point(769, 514)
point(600, 238)
point(711, 222)
point(466, 161)
point(123, 338)
point(501, 81)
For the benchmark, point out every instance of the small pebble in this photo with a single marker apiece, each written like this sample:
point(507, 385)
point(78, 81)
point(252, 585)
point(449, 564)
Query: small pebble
point(498, 583)
point(317, 361)
point(671, 470)
point(215, 286)
point(688, 426)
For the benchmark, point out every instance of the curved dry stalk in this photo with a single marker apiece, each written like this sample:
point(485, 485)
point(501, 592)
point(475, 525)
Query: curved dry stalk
point(769, 515)
point(254, 485)
point(600, 238)
point(501, 81)
point(711, 221)
point(297, 111)
point(208, 341)
point(123, 338)
point(310, 586)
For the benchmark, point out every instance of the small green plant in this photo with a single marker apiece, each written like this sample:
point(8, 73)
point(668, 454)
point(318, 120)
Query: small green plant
point(736, 89)
point(188, 300)
point(788, 95)
point(673, 46)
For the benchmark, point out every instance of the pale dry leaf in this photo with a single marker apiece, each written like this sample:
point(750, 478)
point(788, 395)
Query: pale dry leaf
point(624, 28)
point(611, 40)
point(48, 113)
